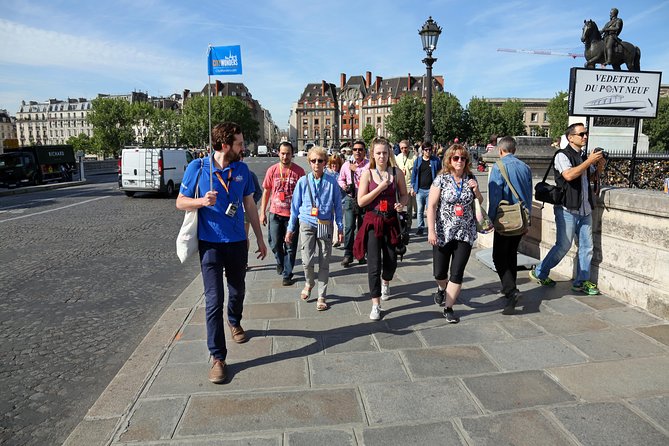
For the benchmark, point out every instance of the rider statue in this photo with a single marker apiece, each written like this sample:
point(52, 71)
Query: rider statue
point(610, 34)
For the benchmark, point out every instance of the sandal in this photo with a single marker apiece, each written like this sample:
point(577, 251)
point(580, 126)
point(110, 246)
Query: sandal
point(304, 294)
point(321, 305)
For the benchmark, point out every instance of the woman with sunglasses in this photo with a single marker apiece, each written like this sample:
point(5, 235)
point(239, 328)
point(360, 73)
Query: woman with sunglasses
point(317, 205)
point(451, 225)
point(383, 192)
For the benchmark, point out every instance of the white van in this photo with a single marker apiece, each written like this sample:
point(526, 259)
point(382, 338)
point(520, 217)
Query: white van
point(262, 151)
point(143, 169)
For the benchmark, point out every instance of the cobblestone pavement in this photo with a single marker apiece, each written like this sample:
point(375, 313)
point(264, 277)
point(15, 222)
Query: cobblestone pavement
point(80, 287)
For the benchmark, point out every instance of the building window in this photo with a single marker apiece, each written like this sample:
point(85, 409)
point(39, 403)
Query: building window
point(369, 120)
point(316, 121)
point(378, 120)
point(545, 117)
point(327, 122)
point(534, 117)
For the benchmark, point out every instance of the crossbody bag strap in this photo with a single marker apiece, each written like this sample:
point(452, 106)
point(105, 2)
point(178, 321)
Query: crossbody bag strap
point(397, 192)
point(311, 195)
point(505, 175)
point(550, 166)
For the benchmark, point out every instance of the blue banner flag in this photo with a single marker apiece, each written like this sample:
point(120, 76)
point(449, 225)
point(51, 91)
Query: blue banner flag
point(224, 60)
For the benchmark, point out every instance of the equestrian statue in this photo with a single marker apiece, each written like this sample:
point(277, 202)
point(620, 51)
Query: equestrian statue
point(606, 48)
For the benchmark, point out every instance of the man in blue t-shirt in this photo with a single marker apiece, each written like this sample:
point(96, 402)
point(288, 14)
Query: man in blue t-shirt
point(225, 194)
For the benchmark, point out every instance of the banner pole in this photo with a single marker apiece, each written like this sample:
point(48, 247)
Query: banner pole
point(211, 148)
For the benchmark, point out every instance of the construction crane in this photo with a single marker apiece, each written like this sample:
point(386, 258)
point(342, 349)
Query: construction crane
point(540, 52)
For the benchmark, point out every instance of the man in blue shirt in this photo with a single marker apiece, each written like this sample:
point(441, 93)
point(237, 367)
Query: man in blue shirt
point(425, 170)
point(225, 194)
point(505, 247)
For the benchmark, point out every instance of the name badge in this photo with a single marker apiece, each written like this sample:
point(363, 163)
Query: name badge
point(314, 212)
point(459, 210)
point(383, 205)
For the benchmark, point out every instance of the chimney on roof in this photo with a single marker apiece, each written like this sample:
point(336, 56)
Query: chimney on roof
point(409, 82)
point(377, 84)
point(368, 79)
point(322, 88)
point(219, 87)
point(186, 93)
point(342, 80)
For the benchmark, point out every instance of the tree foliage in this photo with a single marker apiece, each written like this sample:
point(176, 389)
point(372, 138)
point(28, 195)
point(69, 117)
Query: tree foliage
point(368, 134)
point(164, 128)
point(482, 119)
point(112, 125)
point(81, 142)
point(511, 118)
point(558, 115)
point(657, 129)
point(448, 118)
point(195, 124)
point(406, 119)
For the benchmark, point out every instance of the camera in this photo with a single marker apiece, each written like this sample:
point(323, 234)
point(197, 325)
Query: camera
point(605, 154)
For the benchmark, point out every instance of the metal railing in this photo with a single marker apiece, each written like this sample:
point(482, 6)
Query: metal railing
point(650, 170)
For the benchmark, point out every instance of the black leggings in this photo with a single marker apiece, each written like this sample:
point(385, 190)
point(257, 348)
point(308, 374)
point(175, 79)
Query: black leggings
point(378, 268)
point(441, 255)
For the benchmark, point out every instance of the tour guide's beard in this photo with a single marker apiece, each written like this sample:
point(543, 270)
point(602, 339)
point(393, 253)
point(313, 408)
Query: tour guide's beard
point(231, 156)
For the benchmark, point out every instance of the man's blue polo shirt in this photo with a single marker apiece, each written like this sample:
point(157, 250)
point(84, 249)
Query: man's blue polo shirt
point(212, 224)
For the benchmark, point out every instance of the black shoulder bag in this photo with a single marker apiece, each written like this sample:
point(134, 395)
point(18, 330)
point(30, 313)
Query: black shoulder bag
point(546, 192)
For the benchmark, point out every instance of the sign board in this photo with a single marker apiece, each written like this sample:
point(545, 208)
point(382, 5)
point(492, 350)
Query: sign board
point(624, 94)
point(224, 60)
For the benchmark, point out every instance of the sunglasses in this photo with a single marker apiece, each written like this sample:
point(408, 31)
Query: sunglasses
point(457, 158)
point(581, 134)
point(358, 149)
point(319, 161)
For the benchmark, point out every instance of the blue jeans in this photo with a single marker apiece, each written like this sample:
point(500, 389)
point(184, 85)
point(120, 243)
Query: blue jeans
point(214, 259)
point(283, 253)
point(421, 202)
point(567, 226)
point(352, 222)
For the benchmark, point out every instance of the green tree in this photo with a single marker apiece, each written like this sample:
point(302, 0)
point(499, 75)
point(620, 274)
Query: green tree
point(81, 142)
point(368, 134)
point(112, 125)
point(406, 119)
point(511, 118)
point(164, 128)
point(657, 128)
point(482, 119)
point(142, 114)
point(448, 118)
point(558, 115)
point(195, 124)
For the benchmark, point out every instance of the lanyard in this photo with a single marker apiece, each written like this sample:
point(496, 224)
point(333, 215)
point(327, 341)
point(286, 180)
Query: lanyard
point(318, 192)
point(458, 190)
point(220, 179)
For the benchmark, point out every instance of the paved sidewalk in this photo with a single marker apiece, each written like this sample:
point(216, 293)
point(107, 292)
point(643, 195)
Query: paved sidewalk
point(566, 370)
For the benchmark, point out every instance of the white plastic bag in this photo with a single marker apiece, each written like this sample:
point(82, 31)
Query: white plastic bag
point(187, 238)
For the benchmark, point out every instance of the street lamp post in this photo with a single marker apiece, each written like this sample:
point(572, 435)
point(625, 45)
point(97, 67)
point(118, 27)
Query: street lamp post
point(429, 35)
point(351, 111)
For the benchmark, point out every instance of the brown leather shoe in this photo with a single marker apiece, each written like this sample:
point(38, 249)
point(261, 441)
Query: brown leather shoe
point(238, 334)
point(217, 371)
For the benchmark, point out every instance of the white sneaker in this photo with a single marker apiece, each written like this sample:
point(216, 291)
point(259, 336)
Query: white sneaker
point(375, 315)
point(385, 290)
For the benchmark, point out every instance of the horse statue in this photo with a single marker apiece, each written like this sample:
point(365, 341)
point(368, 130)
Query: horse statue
point(595, 50)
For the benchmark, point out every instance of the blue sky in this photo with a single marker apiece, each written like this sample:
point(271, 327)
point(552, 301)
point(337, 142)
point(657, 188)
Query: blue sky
point(60, 49)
